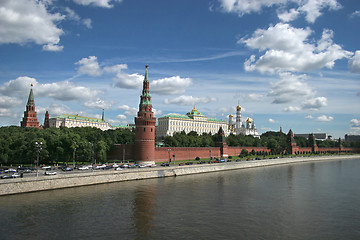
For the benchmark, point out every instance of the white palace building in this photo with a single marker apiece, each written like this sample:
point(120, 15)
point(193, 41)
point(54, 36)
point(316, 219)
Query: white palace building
point(70, 121)
point(197, 122)
point(192, 121)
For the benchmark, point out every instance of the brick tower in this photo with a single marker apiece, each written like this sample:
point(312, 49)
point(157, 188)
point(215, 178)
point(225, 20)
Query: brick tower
point(30, 119)
point(292, 148)
point(222, 143)
point(145, 127)
point(46, 120)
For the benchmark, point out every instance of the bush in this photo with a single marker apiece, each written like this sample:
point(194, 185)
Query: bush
point(197, 158)
point(230, 157)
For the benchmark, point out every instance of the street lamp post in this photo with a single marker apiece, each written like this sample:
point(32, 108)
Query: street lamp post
point(38, 150)
point(169, 150)
point(74, 155)
point(92, 155)
point(210, 154)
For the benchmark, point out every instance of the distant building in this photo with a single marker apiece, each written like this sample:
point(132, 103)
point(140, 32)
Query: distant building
point(318, 136)
point(239, 127)
point(30, 118)
point(70, 121)
point(192, 121)
point(352, 138)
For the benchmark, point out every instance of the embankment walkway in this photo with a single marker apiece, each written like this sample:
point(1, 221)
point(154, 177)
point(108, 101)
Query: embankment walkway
point(33, 184)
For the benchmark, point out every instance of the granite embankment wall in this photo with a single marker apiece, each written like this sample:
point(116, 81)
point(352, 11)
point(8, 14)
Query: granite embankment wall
point(32, 184)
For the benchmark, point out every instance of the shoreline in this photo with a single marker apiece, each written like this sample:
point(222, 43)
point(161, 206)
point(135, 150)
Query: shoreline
point(43, 183)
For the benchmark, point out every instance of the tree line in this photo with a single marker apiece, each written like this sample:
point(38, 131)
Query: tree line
point(17, 145)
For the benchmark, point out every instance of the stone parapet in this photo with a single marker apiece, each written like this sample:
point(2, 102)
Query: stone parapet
point(33, 184)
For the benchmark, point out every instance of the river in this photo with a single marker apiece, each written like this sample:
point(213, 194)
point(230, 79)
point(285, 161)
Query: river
point(297, 201)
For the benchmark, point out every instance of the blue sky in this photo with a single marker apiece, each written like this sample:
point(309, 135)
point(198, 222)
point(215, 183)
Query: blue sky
point(290, 63)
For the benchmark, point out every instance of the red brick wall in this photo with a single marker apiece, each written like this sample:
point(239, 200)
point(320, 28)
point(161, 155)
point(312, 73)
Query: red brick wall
point(185, 153)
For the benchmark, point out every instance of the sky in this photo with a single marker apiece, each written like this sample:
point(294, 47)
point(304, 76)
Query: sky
point(289, 63)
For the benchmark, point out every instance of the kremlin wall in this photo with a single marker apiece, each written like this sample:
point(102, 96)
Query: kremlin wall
point(144, 150)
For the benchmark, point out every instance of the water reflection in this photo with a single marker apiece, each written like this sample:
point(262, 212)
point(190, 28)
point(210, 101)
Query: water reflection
point(302, 201)
point(144, 210)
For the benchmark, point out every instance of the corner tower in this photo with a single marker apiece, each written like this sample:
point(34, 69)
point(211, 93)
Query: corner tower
point(145, 127)
point(30, 118)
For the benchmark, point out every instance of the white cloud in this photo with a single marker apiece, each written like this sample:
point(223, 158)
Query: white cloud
point(72, 15)
point(98, 104)
point(354, 62)
point(89, 66)
point(314, 103)
point(156, 112)
point(309, 117)
point(121, 116)
point(271, 120)
point(24, 21)
point(97, 3)
point(115, 68)
point(290, 49)
point(254, 97)
point(188, 100)
point(325, 118)
point(354, 122)
point(170, 86)
point(54, 110)
point(292, 109)
point(242, 7)
point(289, 88)
point(311, 8)
point(6, 102)
point(65, 90)
point(288, 16)
point(354, 126)
point(129, 81)
point(129, 111)
point(355, 14)
point(52, 47)
point(4, 112)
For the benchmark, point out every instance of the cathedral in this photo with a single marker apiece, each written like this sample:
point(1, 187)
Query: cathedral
point(239, 127)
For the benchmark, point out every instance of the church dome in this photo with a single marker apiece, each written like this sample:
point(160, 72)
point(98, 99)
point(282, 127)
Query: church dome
point(248, 120)
point(230, 116)
point(238, 107)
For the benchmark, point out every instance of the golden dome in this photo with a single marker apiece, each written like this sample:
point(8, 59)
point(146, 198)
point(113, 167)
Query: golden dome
point(248, 120)
point(238, 107)
point(231, 115)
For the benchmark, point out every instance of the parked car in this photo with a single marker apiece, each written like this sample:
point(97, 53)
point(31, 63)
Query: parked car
point(165, 164)
point(15, 175)
point(189, 163)
point(67, 169)
point(181, 164)
point(200, 162)
point(46, 168)
point(6, 176)
point(9, 170)
point(83, 168)
point(50, 173)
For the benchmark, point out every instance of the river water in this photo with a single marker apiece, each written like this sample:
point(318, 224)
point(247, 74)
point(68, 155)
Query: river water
point(299, 201)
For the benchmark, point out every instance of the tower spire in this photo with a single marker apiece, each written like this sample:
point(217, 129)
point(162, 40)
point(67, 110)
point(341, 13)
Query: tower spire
point(31, 101)
point(30, 118)
point(145, 126)
point(103, 116)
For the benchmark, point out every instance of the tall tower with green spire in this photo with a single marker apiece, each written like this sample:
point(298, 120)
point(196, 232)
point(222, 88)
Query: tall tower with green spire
point(145, 126)
point(30, 118)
